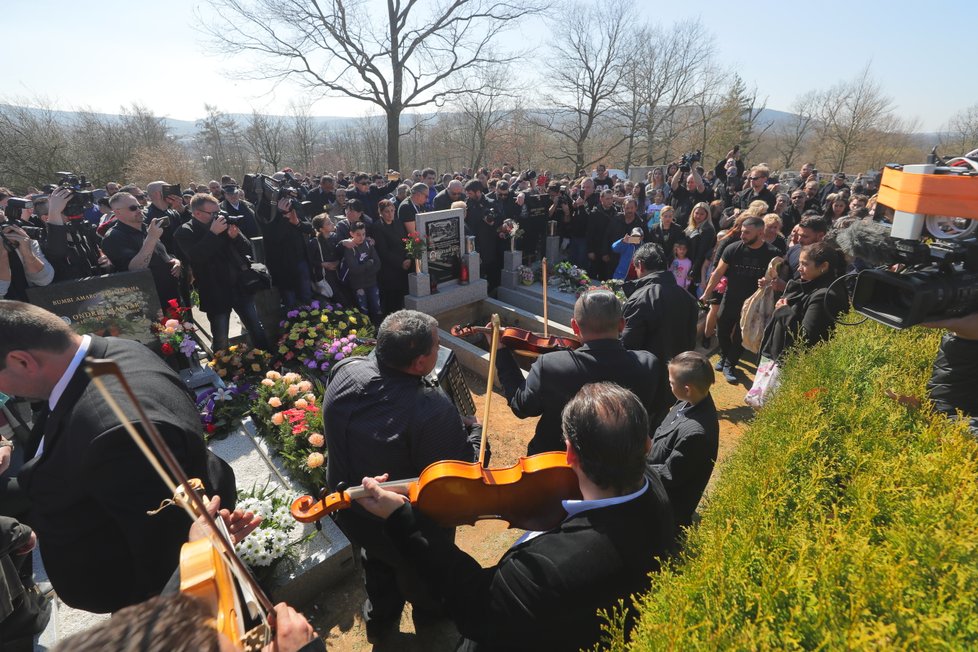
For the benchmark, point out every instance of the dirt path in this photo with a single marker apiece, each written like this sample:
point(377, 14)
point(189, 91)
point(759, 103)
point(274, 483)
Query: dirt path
point(337, 614)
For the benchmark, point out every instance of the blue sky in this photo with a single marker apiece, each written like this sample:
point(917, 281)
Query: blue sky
point(107, 53)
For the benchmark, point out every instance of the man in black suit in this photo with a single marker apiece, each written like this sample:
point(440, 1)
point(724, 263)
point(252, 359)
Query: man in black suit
point(556, 377)
point(684, 448)
point(88, 484)
point(545, 592)
point(660, 317)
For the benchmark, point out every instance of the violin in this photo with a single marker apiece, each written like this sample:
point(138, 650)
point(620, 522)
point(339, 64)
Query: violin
point(523, 341)
point(527, 494)
point(210, 570)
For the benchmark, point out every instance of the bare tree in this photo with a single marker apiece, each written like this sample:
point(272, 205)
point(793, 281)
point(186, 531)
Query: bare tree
point(664, 75)
point(34, 144)
point(849, 114)
point(587, 84)
point(220, 144)
point(960, 136)
point(791, 136)
point(487, 103)
point(166, 159)
point(265, 136)
point(398, 60)
point(300, 135)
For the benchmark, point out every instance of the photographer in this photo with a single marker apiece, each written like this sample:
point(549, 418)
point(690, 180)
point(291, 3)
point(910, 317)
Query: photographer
point(286, 236)
point(687, 194)
point(70, 242)
point(559, 209)
point(131, 244)
point(22, 264)
point(955, 374)
point(584, 204)
point(166, 201)
point(482, 221)
point(218, 254)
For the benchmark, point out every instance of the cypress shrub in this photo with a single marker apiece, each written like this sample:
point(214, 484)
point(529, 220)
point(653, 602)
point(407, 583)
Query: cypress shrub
point(843, 520)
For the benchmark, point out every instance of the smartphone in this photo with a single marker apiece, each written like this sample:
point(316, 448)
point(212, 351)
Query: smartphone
point(171, 190)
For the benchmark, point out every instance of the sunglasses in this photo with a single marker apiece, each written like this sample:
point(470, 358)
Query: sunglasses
point(756, 178)
point(133, 208)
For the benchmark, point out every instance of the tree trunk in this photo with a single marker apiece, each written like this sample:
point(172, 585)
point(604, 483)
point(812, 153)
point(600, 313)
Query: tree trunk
point(394, 138)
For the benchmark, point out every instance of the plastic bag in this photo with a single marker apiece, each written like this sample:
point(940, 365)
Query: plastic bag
point(758, 309)
point(765, 382)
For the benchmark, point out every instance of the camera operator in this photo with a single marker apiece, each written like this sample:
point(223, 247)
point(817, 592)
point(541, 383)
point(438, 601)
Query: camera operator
point(687, 194)
point(22, 264)
point(955, 374)
point(131, 244)
point(286, 235)
point(71, 243)
point(218, 253)
point(168, 205)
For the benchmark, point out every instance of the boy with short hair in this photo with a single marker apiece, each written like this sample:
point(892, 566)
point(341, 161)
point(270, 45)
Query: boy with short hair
point(684, 447)
point(362, 264)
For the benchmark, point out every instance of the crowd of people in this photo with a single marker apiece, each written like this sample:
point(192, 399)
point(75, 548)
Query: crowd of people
point(631, 408)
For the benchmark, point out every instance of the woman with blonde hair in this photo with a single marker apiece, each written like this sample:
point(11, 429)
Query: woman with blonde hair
point(702, 237)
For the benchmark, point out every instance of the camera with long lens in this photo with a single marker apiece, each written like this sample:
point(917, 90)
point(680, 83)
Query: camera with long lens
point(81, 199)
point(938, 254)
point(259, 187)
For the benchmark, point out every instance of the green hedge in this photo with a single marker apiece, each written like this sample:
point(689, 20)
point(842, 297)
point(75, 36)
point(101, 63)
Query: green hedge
point(843, 520)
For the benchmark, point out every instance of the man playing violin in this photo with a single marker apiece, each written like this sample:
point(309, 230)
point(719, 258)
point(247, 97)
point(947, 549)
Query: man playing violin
point(556, 377)
point(545, 592)
point(89, 485)
point(380, 416)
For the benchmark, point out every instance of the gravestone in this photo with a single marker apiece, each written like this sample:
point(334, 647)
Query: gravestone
point(446, 235)
point(122, 305)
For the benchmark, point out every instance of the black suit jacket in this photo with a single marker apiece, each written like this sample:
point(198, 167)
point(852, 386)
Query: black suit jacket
point(684, 450)
point(660, 317)
point(556, 377)
point(544, 593)
point(90, 488)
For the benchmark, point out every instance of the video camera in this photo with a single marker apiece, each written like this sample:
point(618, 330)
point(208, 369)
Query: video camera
point(939, 279)
point(260, 187)
point(81, 199)
point(686, 162)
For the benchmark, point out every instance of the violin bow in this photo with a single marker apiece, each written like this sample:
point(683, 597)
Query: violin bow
point(490, 382)
point(546, 322)
point(174, 477)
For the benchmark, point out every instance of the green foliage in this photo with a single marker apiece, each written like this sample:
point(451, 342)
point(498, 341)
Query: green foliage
point(843, 520)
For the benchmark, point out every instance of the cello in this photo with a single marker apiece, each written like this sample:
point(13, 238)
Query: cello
point(210, 570)
point(527, 494)
point(522, 341)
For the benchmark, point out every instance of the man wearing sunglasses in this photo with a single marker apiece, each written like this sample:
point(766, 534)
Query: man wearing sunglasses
point(132, 244)
point(758, 189)
point(370, 195)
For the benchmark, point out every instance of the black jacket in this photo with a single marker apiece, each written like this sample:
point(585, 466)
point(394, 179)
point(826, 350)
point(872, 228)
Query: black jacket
point(91, 487)
point(216, 261)
point(660, 317)
point(684, 450)
point(806, 314)
point(544, 594)
point(952, 384)
point(556, 377)
point(285, 250)
point(666, 238)
point(389, 243)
